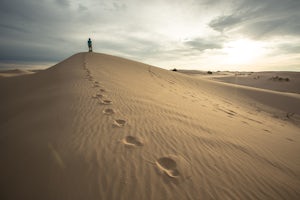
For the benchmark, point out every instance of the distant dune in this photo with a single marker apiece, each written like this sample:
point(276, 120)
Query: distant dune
point(277, 81)
point(96, 126)
point(14, 72)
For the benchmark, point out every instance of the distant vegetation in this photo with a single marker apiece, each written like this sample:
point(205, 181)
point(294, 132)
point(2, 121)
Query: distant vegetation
point(209, 72)
point(277, 78)
point(174, 70)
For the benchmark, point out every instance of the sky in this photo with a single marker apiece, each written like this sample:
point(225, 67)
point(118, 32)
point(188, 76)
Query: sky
point(235, 35)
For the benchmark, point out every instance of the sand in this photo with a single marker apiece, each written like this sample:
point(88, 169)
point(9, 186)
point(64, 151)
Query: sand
point(14, 72)
point(279, 81)
point(97, 126)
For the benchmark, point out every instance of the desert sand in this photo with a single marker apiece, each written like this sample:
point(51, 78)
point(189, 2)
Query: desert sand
point(272, 80)
point(14, 72)
point(96, 126)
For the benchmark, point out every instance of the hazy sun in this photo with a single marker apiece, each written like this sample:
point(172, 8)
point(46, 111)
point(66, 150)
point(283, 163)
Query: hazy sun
point(243, 51)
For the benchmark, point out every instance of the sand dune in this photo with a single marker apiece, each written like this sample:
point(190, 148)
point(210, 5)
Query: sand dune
point(14, 72)
point(97, 126)
point(277, 81)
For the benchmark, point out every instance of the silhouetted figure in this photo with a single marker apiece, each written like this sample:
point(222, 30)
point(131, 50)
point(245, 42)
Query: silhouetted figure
point(90, 45)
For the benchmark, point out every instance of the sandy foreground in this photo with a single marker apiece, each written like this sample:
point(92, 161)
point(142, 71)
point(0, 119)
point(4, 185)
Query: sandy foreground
point(97, 126)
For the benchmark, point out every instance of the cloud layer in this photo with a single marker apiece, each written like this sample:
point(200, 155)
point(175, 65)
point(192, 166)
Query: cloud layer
point(189, 34)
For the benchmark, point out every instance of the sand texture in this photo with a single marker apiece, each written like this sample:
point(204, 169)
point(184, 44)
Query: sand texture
point(97, 126)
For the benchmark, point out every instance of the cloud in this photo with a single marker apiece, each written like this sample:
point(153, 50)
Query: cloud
point(265, 29)
point(289, 48)
point(260, 19)
point(169, 30)
point(64, 3)
point(222, 23)
point(82, 8)
point(11, 28)
point(119, 6)
point(202, 44)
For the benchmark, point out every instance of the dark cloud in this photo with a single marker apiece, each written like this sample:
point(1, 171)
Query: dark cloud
point(222, 23)
point(8, 28)
point(32, 30)
point(290, 48)
point(82, 7)
point(210, 2)
point(202, 44)
point(261, 19)
point(119, 6)
point(31, 51)
point(65, 3)
point(267, 28)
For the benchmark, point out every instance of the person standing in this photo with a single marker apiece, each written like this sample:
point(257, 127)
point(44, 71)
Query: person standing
point(90, 45)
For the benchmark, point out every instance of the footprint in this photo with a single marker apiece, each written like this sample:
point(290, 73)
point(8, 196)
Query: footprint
point(100, 96)
point(168, 166)
point(108, 111)
point(96, 85)
point(267, 130)
point(102, 90)
point(119, 123)
point(132, 141)
point(106, 102)
point(94, 96)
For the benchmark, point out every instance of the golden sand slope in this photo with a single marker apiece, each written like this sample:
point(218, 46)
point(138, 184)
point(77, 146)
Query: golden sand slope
point(101, 127)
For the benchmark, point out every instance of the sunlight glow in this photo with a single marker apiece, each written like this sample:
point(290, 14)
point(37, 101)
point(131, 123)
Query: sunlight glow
point(243, 51)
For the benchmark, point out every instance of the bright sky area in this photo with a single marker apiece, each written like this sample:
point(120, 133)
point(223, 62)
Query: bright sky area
point(236, 35)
